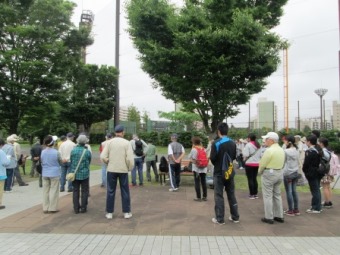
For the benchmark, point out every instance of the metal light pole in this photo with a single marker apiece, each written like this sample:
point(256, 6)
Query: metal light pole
point(321, 93)
point(116, 108)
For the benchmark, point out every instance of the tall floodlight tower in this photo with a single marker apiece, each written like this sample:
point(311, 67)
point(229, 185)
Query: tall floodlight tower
point(321, 93)
point(86, 20)
point(116, 108)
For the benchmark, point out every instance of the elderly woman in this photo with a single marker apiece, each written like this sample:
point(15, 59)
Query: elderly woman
point(80, 165)
point(50, 162)
point(4, 162)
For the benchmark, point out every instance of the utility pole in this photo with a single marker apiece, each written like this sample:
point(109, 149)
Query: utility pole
point(116, 107)
point(286, 95)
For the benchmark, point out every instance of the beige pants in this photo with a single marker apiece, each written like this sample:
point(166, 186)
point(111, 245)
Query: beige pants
point(50, 193)
point(2, 183)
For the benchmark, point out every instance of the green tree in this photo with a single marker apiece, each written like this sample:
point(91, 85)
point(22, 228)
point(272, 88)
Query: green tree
point(210, 55)
point(134, 115)
point(181, 120)
point(38, 47)
point(92, 96)
point(146, 120)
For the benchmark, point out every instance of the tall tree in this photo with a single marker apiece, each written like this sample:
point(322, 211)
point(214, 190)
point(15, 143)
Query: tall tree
point(92, 96)
point(210, 55)
point(38, 46)
point(134, 116)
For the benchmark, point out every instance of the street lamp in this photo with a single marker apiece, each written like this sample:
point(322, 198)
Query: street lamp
point(321, 93)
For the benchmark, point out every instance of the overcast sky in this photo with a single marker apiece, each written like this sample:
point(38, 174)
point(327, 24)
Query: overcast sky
point(310, 26)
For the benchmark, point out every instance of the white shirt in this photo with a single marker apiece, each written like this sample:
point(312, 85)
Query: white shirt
point(65, 150)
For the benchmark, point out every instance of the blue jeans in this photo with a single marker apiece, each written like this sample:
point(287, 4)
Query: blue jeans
point(229, 187)
point(138, 166)
point(314, 186)
point(104, 166)
point(292, 196)
point(65, 169)
point(112, 179)
point(9, 180)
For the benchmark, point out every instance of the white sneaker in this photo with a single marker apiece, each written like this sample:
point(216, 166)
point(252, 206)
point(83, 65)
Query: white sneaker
point(108, 216)
point(127, 215)
point(231, 219)
point(214, 220)
point(173, 189)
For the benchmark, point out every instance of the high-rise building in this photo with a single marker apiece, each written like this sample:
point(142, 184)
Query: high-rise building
point(336, 114)
point(266, 114)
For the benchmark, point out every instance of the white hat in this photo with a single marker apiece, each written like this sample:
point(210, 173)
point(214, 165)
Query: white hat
point(271, 135)
point(11, 139)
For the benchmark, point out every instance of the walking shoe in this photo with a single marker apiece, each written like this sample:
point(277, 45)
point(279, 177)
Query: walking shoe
point(173, 189)
point(231, 219)
point(2, 207)
point(251, 197)
point(327, 205)
point(62, 190)
point(204, 199)
point(127, 215)
point(108, 216)
point(268, 221)
point(256, 196)
point(297, 212)
point(313, 211)
point(289, 213)
point(197, 199)
point(217, 222)
point(281, 220)
point(241, 168)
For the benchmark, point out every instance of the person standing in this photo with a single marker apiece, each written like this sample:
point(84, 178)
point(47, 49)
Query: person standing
point(150, 159)
point(4, 162)
point(240, 144)
point(104, 165)
point(65, 153)
point(291, 176)
point(310, 168)
point(118, 154)
point(8, 148)
point(270, 168)
point(80, 161)
point(139, 148)
point(329, 177)
point(50, 161)
point(251, 156)
point(36, 162)
point(199, 172)
point(175, 154)
point(18, 155)
point(219, 148)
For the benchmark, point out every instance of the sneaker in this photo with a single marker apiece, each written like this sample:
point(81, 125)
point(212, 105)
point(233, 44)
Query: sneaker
point(197, 199)
point(251, 197)
point(127, 215)
point(217, 222)
point(313, 211)
point(327, 205)
point(173, 189)
point(289, 213)
point(256, 196)
point(297, 212)
point(231, 219)
point(108, 216)
point(241, 168)
point(204, 199)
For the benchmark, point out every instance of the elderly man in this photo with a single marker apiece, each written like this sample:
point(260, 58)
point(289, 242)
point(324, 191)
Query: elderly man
point(176, 153)
point(270, 168)
point(18, 155)
point(118, 154)
point(9, 150)
point(139, 149)
point(65, 153)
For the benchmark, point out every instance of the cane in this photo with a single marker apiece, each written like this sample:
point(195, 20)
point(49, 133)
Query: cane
point(336, 182)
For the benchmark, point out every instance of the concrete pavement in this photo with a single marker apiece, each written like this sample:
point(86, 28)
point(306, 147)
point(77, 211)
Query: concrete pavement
point(163, 223)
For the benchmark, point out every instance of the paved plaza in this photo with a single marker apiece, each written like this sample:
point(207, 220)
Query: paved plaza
point(163, 222)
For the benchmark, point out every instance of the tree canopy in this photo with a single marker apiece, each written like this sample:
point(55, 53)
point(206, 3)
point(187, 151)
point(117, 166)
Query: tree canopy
point(209, 55)
point(38, 47)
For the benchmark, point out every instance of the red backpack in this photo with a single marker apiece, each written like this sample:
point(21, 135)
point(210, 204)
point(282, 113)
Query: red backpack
point(202, 160)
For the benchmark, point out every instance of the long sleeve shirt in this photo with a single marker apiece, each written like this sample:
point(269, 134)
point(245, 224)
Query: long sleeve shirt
point(65, 150)
point(83, 171)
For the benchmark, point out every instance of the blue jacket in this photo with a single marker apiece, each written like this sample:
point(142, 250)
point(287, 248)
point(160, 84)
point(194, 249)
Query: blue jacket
point(4, 162)
point(50, 162)
point(9, 150)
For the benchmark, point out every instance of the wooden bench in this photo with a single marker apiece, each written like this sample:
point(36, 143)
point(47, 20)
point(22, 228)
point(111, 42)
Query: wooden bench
point(184, 164)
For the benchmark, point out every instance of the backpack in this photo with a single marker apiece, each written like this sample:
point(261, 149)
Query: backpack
point(227, 167)
point(139, 148)
point(163, 165)
point(324, 165)
point(201, 160)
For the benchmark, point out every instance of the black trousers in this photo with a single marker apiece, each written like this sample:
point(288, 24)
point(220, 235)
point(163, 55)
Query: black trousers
point(80, 190)
point(251, 172)
point(200, 179)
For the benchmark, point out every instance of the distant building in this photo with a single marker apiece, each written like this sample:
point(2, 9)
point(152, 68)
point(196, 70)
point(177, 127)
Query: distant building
point(266, 114)
point(336, 114)
point(123, 113)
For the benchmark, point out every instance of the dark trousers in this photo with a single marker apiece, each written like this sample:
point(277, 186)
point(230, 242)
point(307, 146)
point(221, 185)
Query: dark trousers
point(314, 187)
point(112, 179)
point(200, 179)
point(80, 186)
point(229, 187)
point(152, 164)
point(9, 180)
point(175, 175)
point(17, 175)
point(251, 172)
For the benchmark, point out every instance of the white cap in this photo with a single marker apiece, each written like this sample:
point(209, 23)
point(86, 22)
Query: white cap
point(271, 135)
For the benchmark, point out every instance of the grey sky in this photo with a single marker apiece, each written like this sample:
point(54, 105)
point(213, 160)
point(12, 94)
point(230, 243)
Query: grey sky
point(310, 26)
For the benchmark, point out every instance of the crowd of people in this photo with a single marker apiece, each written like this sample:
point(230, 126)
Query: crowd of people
point(65, 163)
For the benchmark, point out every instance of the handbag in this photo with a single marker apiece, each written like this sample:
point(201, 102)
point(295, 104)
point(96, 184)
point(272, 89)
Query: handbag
point(72, 176)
